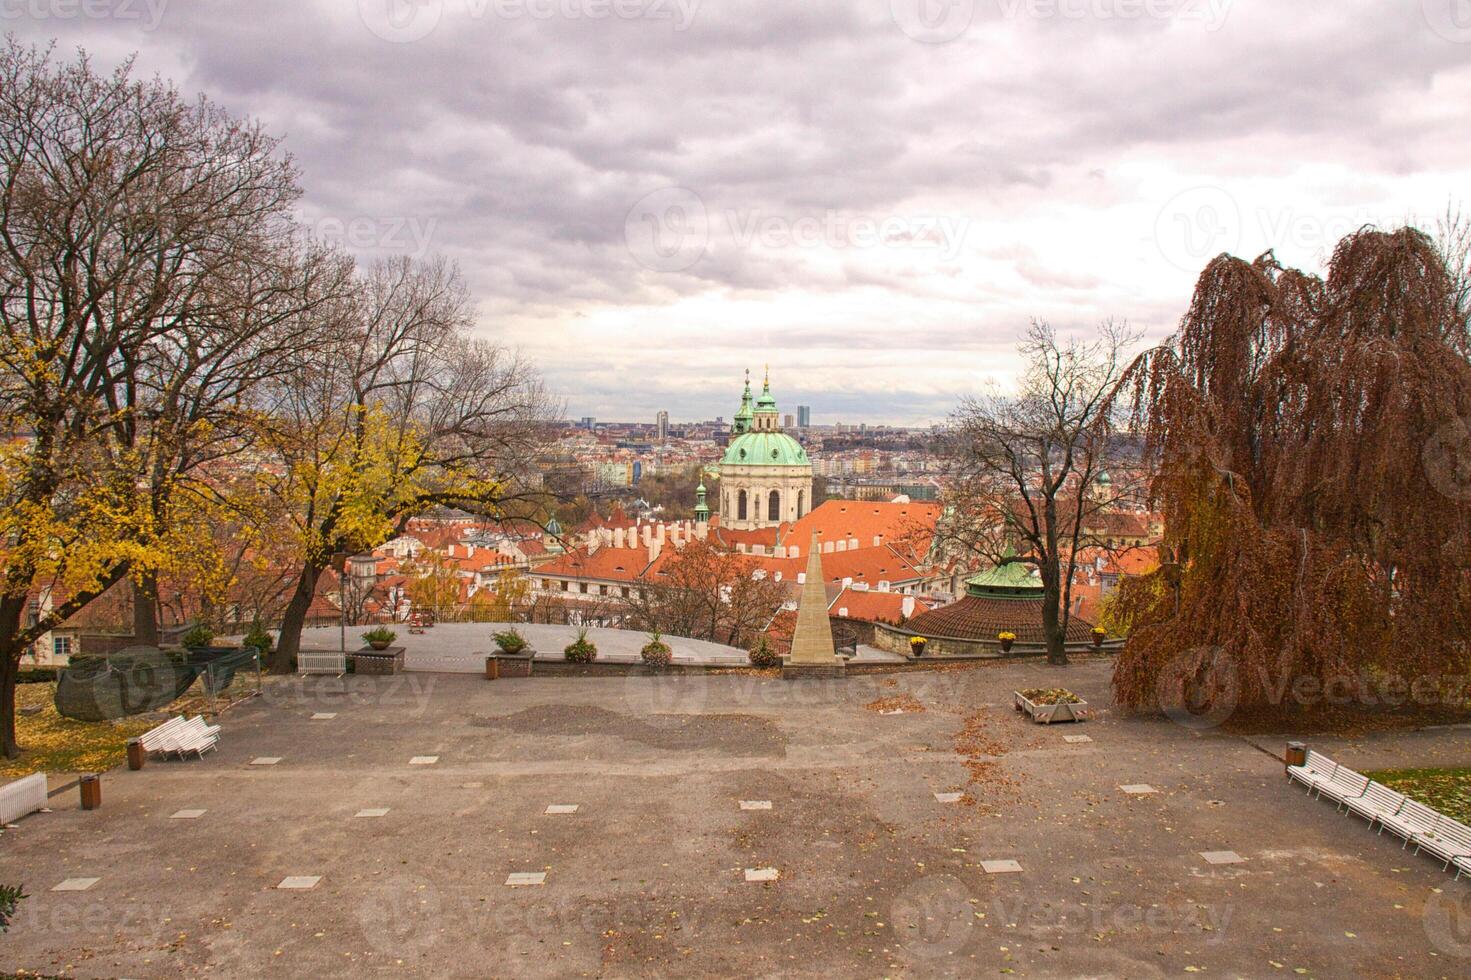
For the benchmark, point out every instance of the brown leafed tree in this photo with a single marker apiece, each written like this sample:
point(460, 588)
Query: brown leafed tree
point(706, 593)
point(1311, 455)
point(1024, 468)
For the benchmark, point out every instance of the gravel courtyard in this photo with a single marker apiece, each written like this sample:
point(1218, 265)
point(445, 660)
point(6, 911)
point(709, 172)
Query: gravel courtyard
point(418, 798)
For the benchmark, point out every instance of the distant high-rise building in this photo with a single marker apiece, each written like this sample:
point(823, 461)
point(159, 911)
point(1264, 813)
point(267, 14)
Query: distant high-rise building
point(661, 426)
point(804, 416)
point(788, 421)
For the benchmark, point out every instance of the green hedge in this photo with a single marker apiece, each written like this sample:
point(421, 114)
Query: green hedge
point(36, 675)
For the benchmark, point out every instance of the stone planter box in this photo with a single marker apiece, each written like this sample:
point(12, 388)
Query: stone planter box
point(370, 661)
point(1046, 714)
point(509, 664)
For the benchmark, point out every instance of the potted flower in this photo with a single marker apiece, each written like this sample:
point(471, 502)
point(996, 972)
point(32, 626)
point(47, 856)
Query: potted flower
point(1006, 638)
point(656, 652)
point(917, 645)
point(1098, 634)
point(257, 639)
point(379, 638)
point(512, 657)
point(510, 641)
point(197, 637)
point(581, 650)
point(763, 654)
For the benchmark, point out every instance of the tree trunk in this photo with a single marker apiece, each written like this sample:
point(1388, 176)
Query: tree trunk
point(289, 643)
point(1052, 616)
point(145, 610)
point(11, 608)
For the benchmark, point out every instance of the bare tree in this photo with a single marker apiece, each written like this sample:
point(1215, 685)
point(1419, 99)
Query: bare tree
point(1023, 481)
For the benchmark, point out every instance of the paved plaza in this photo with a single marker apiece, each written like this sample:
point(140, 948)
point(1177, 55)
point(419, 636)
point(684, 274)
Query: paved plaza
point(725, 825)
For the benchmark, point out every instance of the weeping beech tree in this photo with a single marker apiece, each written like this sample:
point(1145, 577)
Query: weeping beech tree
point(1310, 453)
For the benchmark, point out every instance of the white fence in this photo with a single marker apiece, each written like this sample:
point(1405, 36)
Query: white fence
point(319, 662)
point(25, 795)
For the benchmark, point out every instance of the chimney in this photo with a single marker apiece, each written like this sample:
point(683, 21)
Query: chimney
point(878, 540)
point(907, 606)
point(655, 546)
point(702, 531)
point(618, 538)
point(646, 532)
point(793, 551)
point(852, 544)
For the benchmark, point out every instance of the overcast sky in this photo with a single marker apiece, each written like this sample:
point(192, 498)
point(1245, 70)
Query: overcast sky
point(874, 196)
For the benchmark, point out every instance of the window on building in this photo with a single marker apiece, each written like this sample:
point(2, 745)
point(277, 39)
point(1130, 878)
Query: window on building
point(583, 587)
point(773, 507)
point(741, 506)
point(61, 647)
point(801, 500)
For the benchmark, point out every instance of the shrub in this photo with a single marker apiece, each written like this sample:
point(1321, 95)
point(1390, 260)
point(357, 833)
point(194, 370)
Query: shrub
point(10, 897)
point(763, 654)
point(381, 634)
point(38, 675)
point(656, 652)
point(581, 650)
point(197, 636)
point(510, 641)
point(257, 638)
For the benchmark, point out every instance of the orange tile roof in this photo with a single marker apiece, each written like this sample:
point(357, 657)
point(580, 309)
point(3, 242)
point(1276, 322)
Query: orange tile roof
point(608, 564)
point(873, 606)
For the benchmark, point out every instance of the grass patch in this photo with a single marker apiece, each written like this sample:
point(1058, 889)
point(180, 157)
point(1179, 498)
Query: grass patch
point(1446, 790)
point(51, 743)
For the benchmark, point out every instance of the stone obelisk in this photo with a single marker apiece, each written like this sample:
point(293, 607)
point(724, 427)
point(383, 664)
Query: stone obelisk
point(812, 641)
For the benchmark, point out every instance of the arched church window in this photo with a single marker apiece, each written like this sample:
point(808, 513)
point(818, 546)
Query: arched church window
point(773, 507)
point(741, 506)
point(801, 500)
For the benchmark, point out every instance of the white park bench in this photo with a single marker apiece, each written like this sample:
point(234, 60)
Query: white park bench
point(180, 736)
point(1412, 818)
point(1345, 786)
point(1315, 770)
point(1378, 802)
point(1448, 839)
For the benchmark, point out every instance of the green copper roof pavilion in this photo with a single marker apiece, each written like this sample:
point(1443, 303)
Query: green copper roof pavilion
point(1008, 580)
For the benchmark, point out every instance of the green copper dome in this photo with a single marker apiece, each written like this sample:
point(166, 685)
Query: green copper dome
point(1009, 580)
point(765, 449)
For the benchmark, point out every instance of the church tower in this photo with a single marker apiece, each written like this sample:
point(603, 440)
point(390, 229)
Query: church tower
point(765, 475)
